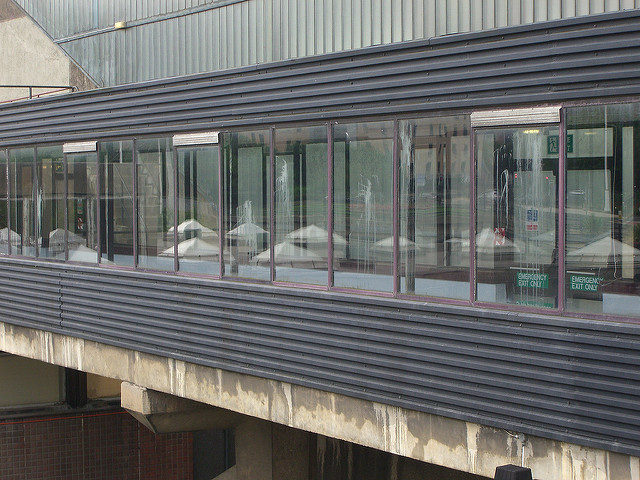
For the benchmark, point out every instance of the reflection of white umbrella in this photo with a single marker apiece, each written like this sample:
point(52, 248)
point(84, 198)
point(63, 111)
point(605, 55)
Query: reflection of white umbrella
point(246, 231)
point(488, 242)
point(193, 248)
point(194, 226)
point(386, 244)
point(287, 252)
point(4, 236)
point(83, 254)
point(313, 234)
point(597, 253)
point(56, 237)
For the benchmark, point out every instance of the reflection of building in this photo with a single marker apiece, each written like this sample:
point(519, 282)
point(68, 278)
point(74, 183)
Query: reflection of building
point(436, 239)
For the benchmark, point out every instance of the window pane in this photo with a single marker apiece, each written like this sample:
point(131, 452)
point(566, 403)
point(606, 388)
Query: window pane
point(434, 207)
point(363, 206)
point(301, 205)
point(23, 231)
point(602, 217)
point(50, 203)
point(4, 227)
point(516, 234)
point(155, 204)
point(198, 241)
point(82, 207)
point(246, 197)
point(116, 215)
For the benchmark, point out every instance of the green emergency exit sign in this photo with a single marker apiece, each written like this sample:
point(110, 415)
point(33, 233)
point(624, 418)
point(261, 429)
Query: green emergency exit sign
point(532, 280)
point(584, 283)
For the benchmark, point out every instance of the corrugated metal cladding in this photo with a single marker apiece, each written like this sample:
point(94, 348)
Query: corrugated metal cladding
point(570, 380)
point(179, 37)
point(573, 59)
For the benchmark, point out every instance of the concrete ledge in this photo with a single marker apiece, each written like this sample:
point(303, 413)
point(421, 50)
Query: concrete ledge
point(464, 446)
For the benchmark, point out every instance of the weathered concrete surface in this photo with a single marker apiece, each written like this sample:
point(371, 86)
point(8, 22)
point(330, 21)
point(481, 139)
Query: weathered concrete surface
point(455, 444)
point(29, 57)
point(164, 413)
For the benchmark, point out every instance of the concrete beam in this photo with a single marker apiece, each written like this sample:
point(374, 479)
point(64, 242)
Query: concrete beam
point(164, 413)
point(464, 446)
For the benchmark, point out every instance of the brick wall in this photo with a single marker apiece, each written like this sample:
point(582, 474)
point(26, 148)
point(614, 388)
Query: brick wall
point(106, 445)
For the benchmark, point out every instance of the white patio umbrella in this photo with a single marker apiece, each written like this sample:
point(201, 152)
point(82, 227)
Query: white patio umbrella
point(598, 253)
point(486, 242)
point(4, 236)
point(195, 226)
point(246, 231)
point(312, 234)
point(288, 253)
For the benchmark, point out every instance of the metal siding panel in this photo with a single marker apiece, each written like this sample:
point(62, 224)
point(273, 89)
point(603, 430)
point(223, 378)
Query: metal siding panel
point(565, 379)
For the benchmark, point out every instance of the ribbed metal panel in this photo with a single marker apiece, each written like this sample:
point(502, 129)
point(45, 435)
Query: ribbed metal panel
point(573, 60)
point(571, 380)
point(173, 37)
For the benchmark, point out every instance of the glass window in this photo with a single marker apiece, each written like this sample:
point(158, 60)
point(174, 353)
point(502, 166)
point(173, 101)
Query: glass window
point(301, 241)
point(21, 176)
point(434, 207)
point(363, 206)
point(246, 204)
point(116, 212)
point(516, 228)
point(155, 204)
point(4, 210)
point(602, 257)
point(51, 233)
point(198, 240)
point(82, 207)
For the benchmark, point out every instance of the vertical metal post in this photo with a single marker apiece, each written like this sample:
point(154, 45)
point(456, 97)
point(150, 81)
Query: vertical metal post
point(176, 265)
point(272, 203)
point(65, 166)
point(220, 204)
point(8, 175)
point(98, 206)
point(30, 92)
point(562, 164)
point(135, 203)
point(34, 199)
point(329, 205)
point(395, 203)
point(472, 218)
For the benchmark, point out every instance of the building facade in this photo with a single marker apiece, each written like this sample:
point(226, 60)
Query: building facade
point(443, 228)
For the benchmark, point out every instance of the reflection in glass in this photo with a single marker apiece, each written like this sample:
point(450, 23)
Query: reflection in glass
point(602, 210)
point(116, 213)
point(516, 233)
point(155, 204)
point(246, 204)
point(301, 242)
point(21, 178)
point(198, 241)
point(434, 207)
point(49, 205)
point(82, 207)
point(4, 227)
point(363, 206)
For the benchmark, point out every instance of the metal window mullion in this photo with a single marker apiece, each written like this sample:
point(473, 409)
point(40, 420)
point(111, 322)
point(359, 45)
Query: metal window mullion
point(176, 265)
point(220, 206)
point(272, 201)
point(65, 163)
point(472, 219)
point(562, 162)
point(135, 204)
point(395, 206)
point(98, 206)
point(34, 193)
point(329, 205)
point(8, 176)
